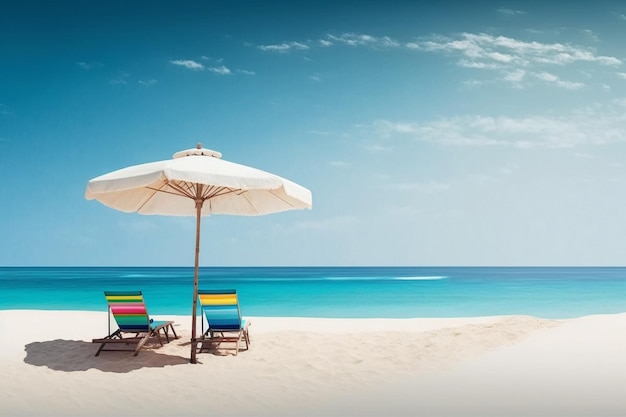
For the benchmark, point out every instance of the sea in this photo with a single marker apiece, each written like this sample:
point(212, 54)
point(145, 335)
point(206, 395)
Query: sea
point(339, 292)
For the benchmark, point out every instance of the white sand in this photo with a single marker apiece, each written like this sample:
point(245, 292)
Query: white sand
point(491, 366)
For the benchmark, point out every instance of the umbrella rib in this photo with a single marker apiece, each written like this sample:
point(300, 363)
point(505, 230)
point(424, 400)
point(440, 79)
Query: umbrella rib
point(180, 193)
point(282, 199)
point(213, 191)
point(271, 192)
point(149, 198)
point(186, 189)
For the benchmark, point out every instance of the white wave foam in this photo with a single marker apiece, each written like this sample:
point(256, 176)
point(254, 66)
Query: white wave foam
point(427, 278)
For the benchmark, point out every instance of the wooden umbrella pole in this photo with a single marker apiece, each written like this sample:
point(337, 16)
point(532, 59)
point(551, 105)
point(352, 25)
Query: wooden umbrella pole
point(199, 203)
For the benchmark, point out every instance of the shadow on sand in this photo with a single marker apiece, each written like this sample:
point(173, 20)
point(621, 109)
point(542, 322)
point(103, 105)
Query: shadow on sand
point(78, 355)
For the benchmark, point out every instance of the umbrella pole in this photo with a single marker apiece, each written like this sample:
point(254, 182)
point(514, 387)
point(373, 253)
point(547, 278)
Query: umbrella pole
point(199, 203)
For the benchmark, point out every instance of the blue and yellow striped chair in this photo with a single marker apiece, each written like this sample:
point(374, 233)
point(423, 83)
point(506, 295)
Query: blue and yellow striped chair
point(130, 314)
point(224, 321)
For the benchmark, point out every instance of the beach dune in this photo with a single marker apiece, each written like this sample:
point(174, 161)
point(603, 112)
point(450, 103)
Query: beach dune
point(506, 365)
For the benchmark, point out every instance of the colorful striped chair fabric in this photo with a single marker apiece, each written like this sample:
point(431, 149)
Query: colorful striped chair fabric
point(129, 311)
point(223, 317)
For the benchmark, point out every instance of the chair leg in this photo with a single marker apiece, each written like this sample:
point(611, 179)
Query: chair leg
point(143, 342)
point(171, 326)
point(100, 349)
point(158, 335)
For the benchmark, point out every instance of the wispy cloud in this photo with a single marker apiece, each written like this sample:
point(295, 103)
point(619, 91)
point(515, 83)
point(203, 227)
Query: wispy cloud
point(553, 79)
point(515, 77)
point(594, 126)
point(591, 35)
point(378, 148)
point(88, 65)
point(216, 69)
point(475, 50)
point(515, 59)
point(349, 39)
point(510, 12)
point(284, 47)
point(339, 164)
point(501, 51)
point(147, 83)
point(121, 79)
point(360, 39)
point(620, 16)
point(187, 63)
point(222, 70)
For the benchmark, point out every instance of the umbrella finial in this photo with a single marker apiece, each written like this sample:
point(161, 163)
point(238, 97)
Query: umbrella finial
point(199, 150)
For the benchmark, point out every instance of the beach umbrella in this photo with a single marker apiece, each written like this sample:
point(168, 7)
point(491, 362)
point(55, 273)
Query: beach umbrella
point(197, 182)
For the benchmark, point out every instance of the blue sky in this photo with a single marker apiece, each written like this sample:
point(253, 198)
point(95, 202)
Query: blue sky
point(430, 133)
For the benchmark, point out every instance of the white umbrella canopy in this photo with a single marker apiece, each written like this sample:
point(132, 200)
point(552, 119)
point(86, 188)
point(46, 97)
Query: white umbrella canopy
point(197, 182)
point(229, 188)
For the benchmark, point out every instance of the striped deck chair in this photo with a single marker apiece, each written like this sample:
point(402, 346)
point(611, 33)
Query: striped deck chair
point(130, 313)
point(221, 310)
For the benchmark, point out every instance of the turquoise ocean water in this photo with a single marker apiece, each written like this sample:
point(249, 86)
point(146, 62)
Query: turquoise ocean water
point(359, 292)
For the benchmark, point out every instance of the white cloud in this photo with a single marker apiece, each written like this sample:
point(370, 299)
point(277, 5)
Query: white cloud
point(88, 65)
point(512, 57)
point(515, 76)
point(284, 47)
point(480, 65)
point(473, 83)
point(121, 79)
point(246, 72)
point(510, 12)
point(591, 35)
point(553, 79)
point(339, 164)
point(504, 50)
point(622, 75)
point(187, 63)
point(594, 126)
point(352, 39)
point(377, 148)
point(147, 83)
point(222, 70)
point(361, 39)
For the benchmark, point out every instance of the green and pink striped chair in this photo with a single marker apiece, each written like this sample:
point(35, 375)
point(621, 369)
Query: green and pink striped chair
point(224, 321)
point(130, 313)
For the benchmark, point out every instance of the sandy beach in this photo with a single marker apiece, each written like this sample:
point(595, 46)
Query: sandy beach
point(486, 366)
